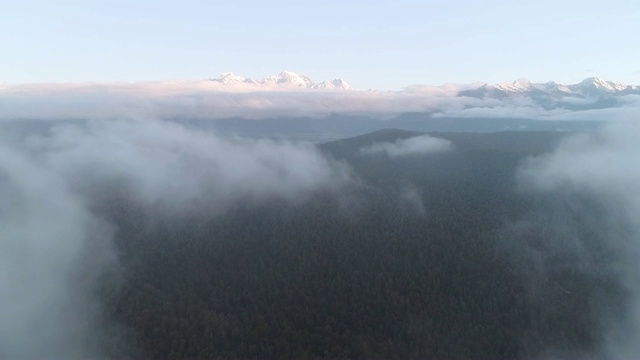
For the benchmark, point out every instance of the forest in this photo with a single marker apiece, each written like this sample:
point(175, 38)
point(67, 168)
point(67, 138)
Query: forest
point(435, 256)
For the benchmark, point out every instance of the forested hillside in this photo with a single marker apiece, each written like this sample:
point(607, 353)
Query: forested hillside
point(435, 256)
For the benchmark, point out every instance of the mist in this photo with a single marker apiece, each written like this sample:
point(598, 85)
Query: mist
point(592, 188)
point(210, 100)
point(52, 250)
point(417, 145)
point(81, 195)
point(55, 243)
point(207, 99)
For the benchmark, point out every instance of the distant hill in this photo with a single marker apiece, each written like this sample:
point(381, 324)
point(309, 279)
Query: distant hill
point(336, 126)
point(514, 142)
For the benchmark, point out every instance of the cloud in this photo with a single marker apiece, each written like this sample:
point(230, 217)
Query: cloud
point(170, 100)
point(418, 145)
point(521, 112)
point(56, 236)
point(618, 114)
point(47, 237)
point(446, 90)
point(599, 163)
point(594, 176)
point(165, 161)
point(578, 101)
point(412, 195)
point(211, 100)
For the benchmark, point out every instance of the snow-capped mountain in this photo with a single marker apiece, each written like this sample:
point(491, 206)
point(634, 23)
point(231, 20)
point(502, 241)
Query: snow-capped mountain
point(598, 86)
point(520, 85)
point(593, 87)
point(284, 80)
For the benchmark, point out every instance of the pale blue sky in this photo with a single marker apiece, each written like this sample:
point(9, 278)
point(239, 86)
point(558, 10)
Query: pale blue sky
point(372, 44)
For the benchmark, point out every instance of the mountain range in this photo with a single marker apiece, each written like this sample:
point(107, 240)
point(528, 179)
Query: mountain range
point(588, 88)
point(593, 87)
point(286, 79)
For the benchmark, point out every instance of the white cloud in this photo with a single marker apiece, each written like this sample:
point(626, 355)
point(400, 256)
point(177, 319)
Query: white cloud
point(602, 167)
point(211, 100)
point(617, 114)
point(170, 162)
point(54, 244)
point(526, 112)
point(46, 234)
point(417, 145)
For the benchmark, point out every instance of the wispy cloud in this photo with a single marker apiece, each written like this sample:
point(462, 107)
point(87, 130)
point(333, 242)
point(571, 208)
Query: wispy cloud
point(214, 100)
point(55, 243)
point(206, 99)
point(598, 167)
point(417, 145)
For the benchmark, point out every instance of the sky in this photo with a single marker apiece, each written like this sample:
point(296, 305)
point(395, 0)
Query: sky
point(371, 44)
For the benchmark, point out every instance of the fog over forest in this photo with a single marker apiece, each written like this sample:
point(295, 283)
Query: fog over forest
point(133, 228)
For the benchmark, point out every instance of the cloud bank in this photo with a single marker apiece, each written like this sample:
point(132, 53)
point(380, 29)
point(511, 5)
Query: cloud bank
point(55, 242)
point(209, 100)
point(291, 95)
point(594, 176)
point(47, 236)
point(417, 145)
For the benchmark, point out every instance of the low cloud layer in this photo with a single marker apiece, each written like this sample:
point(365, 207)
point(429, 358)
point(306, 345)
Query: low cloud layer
point(207, 99)
point(163, 160)
point(592, 162)
point(54, 245)
point(417, 145)
point(627, 109)
point(595, 177)
point(212, 100)
point(47, 237)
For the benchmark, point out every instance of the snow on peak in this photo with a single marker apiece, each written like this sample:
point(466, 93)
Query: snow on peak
point(552, 87)
point(594, 85)
point(289, 77)
point(520, 85)
point(229, 78)
point(551, 92)
point(596, 82)
point(590, 87)
point(284, 80)
point(333, 84)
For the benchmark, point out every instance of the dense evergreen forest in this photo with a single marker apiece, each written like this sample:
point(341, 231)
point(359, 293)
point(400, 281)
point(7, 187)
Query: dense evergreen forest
point(434, 256)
